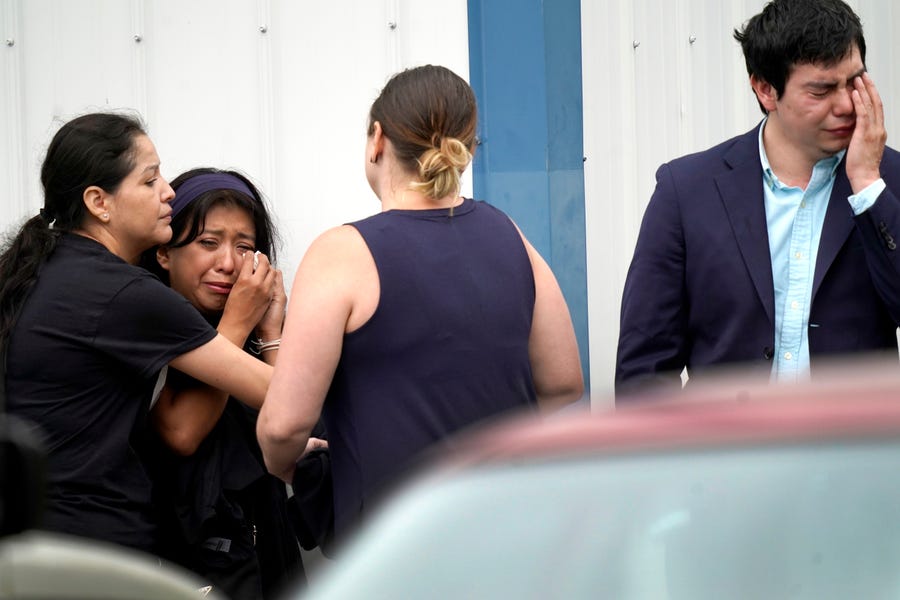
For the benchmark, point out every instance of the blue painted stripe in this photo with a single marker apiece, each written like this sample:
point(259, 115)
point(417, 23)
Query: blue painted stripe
point(525, 68)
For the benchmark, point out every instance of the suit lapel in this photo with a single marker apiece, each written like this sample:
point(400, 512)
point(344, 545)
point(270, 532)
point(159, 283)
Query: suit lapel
point(742, 194)
point(837, 227)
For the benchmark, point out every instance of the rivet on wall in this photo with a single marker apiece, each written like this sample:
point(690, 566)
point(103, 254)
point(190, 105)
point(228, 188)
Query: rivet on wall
point(140, 94)
point(263, 28)
point(635, 44)
point(392, 16)
point(10, 42)
point(692, 39)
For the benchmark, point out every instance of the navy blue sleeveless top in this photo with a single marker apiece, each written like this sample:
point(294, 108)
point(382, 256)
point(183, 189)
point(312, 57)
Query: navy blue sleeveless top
point(446, 347)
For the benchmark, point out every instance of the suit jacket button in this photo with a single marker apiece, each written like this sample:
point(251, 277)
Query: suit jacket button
point(768, 353)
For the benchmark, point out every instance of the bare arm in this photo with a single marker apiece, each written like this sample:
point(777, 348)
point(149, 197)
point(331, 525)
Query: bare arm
point(552, 347)
point(226, 367)
point(325, 295)
point(272, 323)
point(185, 417)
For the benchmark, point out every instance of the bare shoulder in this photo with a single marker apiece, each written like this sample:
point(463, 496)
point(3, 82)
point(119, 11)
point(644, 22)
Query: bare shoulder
point(337, 276)
point(337, 248)
point(533, 255)
point(337, 259)
point(341, 239)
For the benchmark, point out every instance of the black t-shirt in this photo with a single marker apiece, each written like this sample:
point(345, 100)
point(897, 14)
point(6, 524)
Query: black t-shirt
point(83, 360)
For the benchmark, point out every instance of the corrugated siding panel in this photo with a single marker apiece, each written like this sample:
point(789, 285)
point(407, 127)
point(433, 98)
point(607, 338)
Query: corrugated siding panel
point(276, 88)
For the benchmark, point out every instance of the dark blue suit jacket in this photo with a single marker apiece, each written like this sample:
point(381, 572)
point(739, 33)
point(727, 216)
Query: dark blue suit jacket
point(699, 291)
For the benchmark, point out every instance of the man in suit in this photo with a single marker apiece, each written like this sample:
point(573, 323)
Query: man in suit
point(779, 246)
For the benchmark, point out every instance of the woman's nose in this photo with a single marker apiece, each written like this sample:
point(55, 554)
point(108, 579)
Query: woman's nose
point(228, 260)
point(168, 193)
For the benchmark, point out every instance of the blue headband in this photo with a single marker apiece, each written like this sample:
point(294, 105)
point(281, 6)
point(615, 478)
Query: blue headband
point(196, 186)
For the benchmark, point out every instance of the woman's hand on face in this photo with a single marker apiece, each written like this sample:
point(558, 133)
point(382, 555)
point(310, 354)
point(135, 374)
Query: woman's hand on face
point(269, 327)
point(252, 292)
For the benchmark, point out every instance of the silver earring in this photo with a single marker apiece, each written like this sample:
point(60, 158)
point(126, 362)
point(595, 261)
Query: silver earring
point(104, 216)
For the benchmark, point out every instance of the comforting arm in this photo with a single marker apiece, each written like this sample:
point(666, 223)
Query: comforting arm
point(224, 366)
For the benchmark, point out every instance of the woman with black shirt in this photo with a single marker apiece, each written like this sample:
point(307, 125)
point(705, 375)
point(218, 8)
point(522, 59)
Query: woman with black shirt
point(228, 515)
point(89, 335)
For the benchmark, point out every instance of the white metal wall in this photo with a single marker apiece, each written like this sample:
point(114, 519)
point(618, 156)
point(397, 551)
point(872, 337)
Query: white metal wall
point(663, 78)
point(279, 89)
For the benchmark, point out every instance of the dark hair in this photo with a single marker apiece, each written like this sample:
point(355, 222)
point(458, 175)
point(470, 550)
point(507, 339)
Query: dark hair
point(96, 149)
point(794, 32)
point(189, 223)
point(429, 115)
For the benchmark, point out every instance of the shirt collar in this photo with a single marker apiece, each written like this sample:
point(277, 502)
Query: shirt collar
point(771, 180)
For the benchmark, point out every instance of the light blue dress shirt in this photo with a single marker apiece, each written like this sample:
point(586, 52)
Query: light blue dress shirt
point(794, 218)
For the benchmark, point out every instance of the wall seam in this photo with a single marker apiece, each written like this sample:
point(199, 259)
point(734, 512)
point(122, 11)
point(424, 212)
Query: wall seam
point(15, 139)
point(266, 96)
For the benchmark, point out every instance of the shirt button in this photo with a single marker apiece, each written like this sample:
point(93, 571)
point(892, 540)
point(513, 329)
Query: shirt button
point(798, 255)
point(803, 204)
point(788, 356)
point(795, 305)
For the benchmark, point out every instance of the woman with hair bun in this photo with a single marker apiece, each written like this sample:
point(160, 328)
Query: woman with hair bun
point(410, 325)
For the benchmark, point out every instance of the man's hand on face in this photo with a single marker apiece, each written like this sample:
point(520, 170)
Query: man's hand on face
point(867, 144)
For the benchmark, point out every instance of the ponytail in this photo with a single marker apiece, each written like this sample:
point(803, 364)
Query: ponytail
point(20, 262)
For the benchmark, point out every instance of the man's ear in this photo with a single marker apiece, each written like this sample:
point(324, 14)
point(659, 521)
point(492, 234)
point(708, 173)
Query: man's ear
point(97, 202)
point(765, 92)
point(162, 257)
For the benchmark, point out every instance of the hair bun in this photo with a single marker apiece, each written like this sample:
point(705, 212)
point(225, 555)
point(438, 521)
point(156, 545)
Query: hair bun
point(440, 168)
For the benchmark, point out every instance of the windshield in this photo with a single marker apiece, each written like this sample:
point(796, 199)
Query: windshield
point(780, 522)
